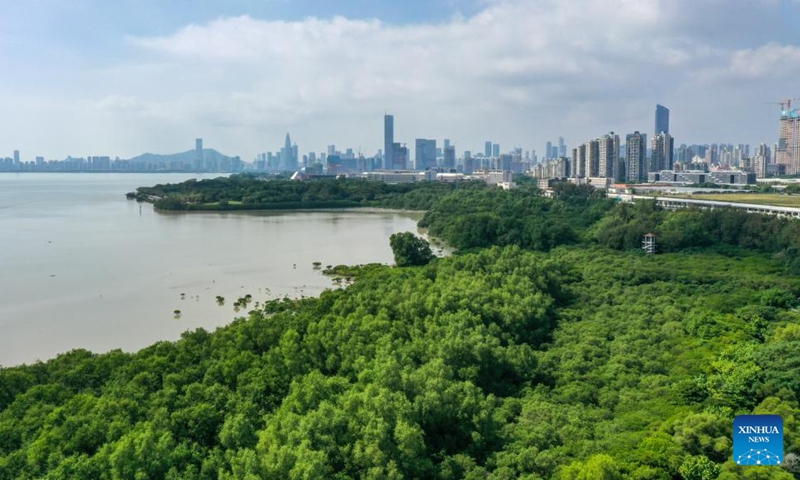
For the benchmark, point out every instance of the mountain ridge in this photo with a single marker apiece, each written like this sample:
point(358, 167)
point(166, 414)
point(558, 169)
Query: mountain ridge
point(187, 156)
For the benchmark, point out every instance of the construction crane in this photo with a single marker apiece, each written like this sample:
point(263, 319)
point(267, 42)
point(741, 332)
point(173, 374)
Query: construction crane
point(785, 104)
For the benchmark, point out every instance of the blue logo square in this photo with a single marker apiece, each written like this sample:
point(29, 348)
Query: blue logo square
point(758, 440)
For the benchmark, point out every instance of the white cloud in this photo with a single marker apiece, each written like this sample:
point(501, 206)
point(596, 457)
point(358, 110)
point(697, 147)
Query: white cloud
point(769, 60)
point(519, 72)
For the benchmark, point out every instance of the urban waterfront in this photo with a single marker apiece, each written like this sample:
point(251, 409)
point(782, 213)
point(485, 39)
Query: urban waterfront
point(82, 267)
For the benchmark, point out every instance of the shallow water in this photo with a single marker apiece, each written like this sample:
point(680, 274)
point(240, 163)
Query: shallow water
point(82, 267)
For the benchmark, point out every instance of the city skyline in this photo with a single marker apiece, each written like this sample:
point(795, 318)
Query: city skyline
point(511, 71)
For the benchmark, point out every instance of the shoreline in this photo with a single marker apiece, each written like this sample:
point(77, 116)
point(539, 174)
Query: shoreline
point(306, 210)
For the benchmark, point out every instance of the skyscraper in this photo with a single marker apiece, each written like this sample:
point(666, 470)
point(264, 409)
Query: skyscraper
point(399, 157)
point(496, 150)
point(656, 154)
point(608, 155)
point(562, 147)
point(425, 154)
point(662, 119)
point(579, 161)
point(661, 152)
point(388, 141)
point(635, 157)
point(487, 149)
point(788, 151)
point(548, 149)
point(504, 162)
point(449, 162)
point(682, 155)
point(469, 164)
point(593, 158)
point(288, 162)
point(761, 161)
point(16, 157)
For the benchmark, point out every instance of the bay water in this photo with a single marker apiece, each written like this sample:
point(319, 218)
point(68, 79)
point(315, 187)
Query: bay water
point(83, 267)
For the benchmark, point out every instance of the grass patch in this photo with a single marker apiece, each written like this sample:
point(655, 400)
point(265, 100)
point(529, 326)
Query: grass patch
point(772, 199)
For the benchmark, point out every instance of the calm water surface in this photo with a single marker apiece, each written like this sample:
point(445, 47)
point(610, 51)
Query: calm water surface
point(82, 267)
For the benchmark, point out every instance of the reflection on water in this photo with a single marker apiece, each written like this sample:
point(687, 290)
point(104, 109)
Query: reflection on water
point(81, 266)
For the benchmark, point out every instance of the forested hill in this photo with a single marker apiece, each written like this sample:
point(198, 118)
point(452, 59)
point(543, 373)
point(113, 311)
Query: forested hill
point(550, 348)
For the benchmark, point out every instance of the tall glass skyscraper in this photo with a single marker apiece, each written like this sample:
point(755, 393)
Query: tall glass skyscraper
point(662, 119)
point(425, 154)
point(388, 141)
point(288, 158)
point(198, 154)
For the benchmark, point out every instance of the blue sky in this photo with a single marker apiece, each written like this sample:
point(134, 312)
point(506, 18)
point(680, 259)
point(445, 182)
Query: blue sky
point(89, 77)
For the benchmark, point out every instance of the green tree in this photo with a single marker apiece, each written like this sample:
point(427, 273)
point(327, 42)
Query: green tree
point(597, 467)
point(410, 249)
point(699, 467)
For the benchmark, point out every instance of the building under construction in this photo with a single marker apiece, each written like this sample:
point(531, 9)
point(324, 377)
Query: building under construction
point(788, 152)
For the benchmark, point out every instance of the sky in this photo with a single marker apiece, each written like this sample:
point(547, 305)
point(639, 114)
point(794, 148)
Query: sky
point(120, 78)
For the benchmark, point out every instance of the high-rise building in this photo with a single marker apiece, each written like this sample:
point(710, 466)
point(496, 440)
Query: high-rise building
point(774, 153)
point(761, 160)
point(635, 157)
point(16, 157)
point(669, 151)
point(288, 163)
point(399, 157)
point(449, 161)
point(608, 155)
point(548, 149)
point(661, 152)
point(469, 164)
point(562, 147)
point(388, 141)
point(662, 119)
point(683, 155)
point(579, 161)
point(504, 162)
point(788, 151)
point(656, 163)
point(496, 150)
point(593, 158)
point(425, 154)
point(487, 149)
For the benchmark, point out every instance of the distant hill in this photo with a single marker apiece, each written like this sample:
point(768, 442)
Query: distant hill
point(186, 157)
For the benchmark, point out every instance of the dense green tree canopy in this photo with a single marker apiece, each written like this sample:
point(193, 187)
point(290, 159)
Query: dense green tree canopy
point(550, 348)
point(410, 249)
point(248, 192)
